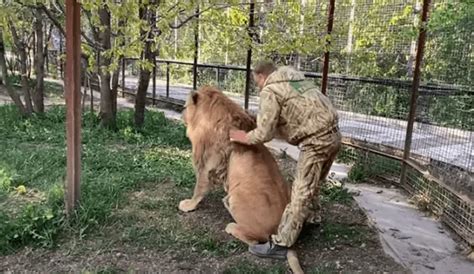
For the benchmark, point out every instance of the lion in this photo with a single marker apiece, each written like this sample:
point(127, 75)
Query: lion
point(256, 191)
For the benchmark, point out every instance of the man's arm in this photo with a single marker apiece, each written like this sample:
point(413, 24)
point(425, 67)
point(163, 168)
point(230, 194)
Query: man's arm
point(267, 118)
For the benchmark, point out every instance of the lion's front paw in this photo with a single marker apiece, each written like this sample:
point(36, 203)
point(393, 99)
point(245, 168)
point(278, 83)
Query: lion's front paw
point(230, 228)
point(187, 205)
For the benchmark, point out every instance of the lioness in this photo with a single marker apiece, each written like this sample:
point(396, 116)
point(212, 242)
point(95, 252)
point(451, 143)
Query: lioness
point(256, 191)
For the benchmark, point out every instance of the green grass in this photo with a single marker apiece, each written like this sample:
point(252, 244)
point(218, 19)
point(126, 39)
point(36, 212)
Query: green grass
point(113, 162)
point(332, 234)
point(335, 193)
point(247, 267)
point(154, 222)
point(367, 165)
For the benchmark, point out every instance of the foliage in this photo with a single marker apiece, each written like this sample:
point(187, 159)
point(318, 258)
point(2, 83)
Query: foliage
point(379, 41)
point(449, 52)
point(366, 165)
point(33, 155)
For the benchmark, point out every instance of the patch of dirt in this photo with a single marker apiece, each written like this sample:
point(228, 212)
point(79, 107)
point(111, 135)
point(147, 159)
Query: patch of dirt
point(148, 233)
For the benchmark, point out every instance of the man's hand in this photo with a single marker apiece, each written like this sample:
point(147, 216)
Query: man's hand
point(238, 136)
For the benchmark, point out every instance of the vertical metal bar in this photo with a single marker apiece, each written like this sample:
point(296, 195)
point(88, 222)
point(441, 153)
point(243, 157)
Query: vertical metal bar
point(414, 90)
point(249, 54)
point(154, 80)
point(328, 44)
point(217, 77)
point(73, 103)
point(196, 49)
point(123, 77)
point(167, 79)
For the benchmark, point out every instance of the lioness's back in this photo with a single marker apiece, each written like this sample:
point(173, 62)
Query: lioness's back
point(257, 189)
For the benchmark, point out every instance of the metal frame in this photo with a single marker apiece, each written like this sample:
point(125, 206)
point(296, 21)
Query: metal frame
point(415, 88)
point(73, 103)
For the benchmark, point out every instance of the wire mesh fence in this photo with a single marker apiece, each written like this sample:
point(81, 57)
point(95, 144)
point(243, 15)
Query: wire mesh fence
point(372, 56)
point(444, 122)
point(373, 48)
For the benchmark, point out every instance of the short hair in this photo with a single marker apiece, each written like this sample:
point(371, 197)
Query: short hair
point(265, 67)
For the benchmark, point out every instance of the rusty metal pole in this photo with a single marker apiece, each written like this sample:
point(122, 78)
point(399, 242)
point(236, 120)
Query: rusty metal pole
point(414, 89)
point(249, 54)
point(73, 103)
point(324, 83)
point(196, 49)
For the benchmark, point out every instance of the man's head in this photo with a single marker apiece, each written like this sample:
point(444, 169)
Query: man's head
point(261, 72)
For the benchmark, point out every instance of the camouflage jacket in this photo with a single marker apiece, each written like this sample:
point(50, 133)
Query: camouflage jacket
point(294, 106)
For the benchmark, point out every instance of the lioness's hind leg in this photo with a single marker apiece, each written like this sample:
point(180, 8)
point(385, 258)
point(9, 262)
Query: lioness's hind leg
point(240, 233)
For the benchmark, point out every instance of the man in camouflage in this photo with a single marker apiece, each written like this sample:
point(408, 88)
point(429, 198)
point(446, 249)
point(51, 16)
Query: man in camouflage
point(304, 117)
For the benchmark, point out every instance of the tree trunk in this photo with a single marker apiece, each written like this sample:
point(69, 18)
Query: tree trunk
point(45, 50)
point(411, 58)
point(107, 115)
point(38, 95)
point(114, 90)
point(350, 34)
point(298, 57)
point(116, 74)
point(176, 35)
point(21, 49)
point(144, 79)
point(4, 75)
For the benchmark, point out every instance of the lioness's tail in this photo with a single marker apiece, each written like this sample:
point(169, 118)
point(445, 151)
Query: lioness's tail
point(293, 261)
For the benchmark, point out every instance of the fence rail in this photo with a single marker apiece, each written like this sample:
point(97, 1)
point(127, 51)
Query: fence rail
point(428, 89)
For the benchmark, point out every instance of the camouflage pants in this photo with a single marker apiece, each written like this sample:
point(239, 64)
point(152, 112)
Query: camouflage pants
point(315, 160)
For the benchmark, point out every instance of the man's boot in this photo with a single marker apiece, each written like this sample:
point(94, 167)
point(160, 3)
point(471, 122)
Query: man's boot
point(269, 250)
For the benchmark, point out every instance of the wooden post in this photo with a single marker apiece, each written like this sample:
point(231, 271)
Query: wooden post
point(73, 103)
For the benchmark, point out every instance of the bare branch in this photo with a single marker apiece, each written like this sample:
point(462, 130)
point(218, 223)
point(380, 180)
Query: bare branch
point(189, 18)
point(53, 19)
point(95, 33)
point(172, 7)
point(16, 39)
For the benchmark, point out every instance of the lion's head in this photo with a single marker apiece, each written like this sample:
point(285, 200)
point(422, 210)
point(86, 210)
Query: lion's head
point(209, 115)
point(209, 110)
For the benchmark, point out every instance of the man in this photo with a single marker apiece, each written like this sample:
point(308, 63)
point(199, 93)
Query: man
point(304, 117)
